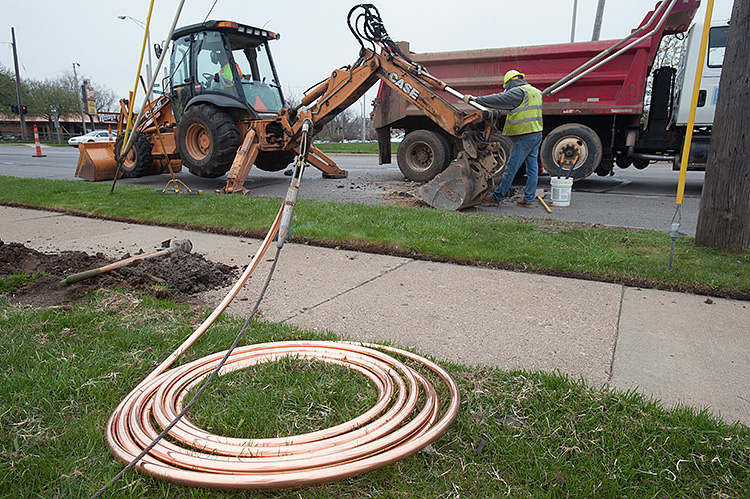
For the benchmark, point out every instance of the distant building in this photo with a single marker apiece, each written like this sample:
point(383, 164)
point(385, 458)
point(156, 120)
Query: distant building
point(70, 126)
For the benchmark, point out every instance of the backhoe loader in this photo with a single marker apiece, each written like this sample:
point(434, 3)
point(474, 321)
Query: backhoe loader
point(225, 112)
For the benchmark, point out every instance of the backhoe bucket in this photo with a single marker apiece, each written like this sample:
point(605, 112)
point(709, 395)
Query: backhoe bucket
point(459, 186)
point(96, 161)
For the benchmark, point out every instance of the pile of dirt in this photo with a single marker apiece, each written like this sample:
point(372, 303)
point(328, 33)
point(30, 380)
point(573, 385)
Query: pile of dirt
point(163, 276)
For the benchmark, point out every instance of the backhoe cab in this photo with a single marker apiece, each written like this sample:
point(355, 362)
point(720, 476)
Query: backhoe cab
point(223, 78)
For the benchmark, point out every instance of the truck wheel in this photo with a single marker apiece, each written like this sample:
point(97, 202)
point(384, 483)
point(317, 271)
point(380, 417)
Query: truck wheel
point(138, 161)
point(640, 164)
point(573, 147)
point(422, 155)
point(273, 161)
point(207, 140)
point(501, 154)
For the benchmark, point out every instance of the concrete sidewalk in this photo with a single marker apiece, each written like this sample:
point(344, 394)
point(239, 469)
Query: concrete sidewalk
point(680, 348)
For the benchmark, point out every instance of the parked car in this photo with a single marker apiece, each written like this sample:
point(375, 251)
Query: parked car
point(95, 136)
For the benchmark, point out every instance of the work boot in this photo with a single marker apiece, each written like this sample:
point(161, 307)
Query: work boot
point(491, 199)
point(525, 204)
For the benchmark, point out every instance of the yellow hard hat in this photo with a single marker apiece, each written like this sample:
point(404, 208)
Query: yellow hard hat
point(510, 75)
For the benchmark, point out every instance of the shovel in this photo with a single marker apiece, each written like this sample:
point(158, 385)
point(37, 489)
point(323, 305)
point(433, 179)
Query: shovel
point(180, 245)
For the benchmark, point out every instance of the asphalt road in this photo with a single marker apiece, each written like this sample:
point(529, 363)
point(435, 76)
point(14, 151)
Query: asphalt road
point(630, 198)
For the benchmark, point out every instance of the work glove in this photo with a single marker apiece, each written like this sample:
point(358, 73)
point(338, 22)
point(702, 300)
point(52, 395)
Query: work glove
point(468, 98)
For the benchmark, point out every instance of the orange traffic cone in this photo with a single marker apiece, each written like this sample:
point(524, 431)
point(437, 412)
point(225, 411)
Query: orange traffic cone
point(109, 129)
point(38, 145)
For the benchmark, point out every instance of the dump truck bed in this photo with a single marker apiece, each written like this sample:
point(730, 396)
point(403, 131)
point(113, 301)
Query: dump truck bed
point(617, 87)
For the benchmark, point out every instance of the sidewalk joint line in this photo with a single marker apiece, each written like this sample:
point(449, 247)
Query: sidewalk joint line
point(342, 293)
point(617, 337)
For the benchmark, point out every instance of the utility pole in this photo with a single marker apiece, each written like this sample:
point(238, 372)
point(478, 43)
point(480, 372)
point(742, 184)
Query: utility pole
point(724, 216)
point(78, 93)
point(598, 21)
point(18, 87)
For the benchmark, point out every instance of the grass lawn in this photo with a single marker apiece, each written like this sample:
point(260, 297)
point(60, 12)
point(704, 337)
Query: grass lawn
point(518, 434)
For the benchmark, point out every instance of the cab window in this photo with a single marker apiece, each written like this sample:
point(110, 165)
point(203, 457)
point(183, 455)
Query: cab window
point(215, 71)
point(717, 45)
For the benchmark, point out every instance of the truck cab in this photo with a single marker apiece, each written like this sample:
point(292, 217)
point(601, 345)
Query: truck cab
point(709, 86)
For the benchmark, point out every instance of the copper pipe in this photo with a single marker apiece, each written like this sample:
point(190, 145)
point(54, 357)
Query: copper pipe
point(394, 428)
point(382, 435)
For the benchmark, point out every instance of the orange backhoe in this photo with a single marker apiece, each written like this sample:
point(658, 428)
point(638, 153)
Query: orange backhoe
point(225, 111)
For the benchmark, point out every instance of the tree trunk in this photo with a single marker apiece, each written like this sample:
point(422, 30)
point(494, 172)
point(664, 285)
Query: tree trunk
point(724, 218)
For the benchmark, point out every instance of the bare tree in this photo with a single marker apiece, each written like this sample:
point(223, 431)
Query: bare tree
point(724, 218)
point(342, 127)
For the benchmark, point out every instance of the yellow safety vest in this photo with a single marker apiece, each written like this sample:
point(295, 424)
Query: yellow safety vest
point(527, 117)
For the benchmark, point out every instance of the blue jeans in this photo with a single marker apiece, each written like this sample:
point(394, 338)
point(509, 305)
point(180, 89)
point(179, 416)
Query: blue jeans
point(524, 149)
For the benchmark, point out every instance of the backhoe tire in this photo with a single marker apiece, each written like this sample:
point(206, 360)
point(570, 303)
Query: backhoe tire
point(138, 161)
point(422, 155)
point(501, 156)
point(207, 140)
point(567, 143)
point(273, 161)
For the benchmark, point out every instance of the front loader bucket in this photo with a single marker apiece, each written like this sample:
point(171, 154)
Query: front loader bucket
point(459, 186)
point(96, 161)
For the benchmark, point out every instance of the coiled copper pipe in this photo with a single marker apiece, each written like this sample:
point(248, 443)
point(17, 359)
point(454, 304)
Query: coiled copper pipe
point(391, 430)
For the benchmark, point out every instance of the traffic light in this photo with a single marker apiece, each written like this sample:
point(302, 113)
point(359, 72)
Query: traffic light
point(14, 108)
point(24, 110)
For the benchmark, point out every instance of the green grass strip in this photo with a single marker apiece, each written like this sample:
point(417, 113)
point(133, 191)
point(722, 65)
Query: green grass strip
point(636, 257)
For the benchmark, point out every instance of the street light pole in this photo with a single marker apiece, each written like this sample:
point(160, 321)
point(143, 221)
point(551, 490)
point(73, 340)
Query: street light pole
point(598, 21)
point(150, 67)
point(573, 23)
point(78, 93)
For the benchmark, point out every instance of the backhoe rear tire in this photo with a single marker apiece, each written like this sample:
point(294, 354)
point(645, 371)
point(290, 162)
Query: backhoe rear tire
point(138, 161)
point(422, 155)
point(207, 140)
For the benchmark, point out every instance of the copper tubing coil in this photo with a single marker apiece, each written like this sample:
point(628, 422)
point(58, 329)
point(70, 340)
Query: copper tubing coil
point(389, 431)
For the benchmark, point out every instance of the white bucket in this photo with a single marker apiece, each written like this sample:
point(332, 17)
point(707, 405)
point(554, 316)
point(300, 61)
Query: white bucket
point(560, 192)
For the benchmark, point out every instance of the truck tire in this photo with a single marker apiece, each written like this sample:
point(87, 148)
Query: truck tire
point(567, 143)
point(422, 155)
point(207, 140)
point(501, 156)
point(273, 161)
point(138, 161)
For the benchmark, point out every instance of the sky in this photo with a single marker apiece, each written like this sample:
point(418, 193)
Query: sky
point(51, 34)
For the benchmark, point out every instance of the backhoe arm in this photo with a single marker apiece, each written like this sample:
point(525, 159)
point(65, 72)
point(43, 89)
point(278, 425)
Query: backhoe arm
point(345, 86)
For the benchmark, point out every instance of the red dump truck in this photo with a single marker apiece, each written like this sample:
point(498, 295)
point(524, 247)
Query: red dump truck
point(594, 94)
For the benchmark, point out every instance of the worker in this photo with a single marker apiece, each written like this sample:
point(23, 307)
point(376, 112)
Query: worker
point(523, 125)
point(220, 58)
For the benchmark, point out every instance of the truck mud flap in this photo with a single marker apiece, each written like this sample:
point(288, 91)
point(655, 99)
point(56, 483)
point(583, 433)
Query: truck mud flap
point(96, 161)
point(461, 185)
